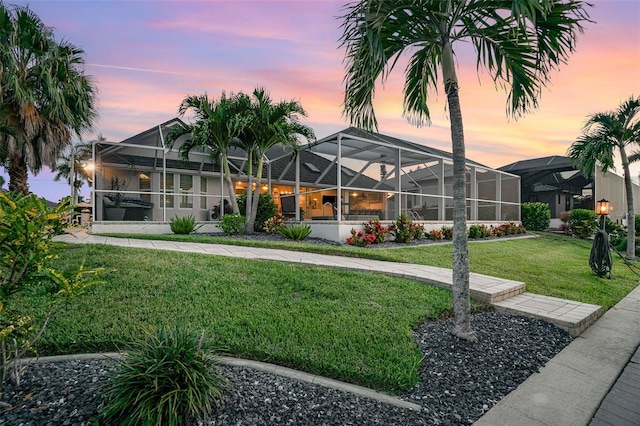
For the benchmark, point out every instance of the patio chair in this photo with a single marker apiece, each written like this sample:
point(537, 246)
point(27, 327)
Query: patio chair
point(415, 215)
point(288, 206)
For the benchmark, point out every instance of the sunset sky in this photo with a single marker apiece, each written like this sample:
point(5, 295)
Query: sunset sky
point(145, 56)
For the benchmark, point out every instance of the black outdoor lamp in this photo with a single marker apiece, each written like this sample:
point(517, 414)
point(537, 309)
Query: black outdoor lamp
point(600, 258)
point(602, 207)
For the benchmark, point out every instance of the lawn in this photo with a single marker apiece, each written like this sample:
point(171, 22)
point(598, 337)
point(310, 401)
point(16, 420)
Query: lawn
point(551, 265)
point(352, 326)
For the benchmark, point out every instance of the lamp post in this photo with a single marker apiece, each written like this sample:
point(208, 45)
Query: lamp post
point(600, 258)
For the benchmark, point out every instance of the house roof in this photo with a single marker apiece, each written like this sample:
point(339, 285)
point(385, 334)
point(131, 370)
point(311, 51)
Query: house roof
point(370, 146)
point(313, 170)
point(553, 172)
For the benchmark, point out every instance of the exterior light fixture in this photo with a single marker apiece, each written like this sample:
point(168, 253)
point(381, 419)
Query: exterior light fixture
point(602, 207)
point(600, 258)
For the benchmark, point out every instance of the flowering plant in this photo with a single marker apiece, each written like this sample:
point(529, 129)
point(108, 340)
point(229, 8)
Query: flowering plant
point(447, 232)
point(405, 230)
point(434, 234)
point(375, 228)
point(359, 239)
point(508, 228)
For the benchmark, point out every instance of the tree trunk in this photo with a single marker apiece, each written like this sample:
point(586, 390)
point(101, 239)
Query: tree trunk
point(256, 197)
point(631, 217)
point(461, 301)
point(18, 175)
point(231, 188)
point(248, 228)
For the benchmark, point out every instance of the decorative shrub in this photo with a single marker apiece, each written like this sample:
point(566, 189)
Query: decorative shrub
point(617, 235)
point(447, 232)
point(508, 228)
point(637, 225)
point(232, 224)
point(376, 229)
point(405, 230)
point(535, 216)
point(434, 235)
point(359, 239)
point(266, 210)
point(183, 225)
point(27, 227)
point(583, 223)
point(479, 231)
point(565, 217)
point(273, 224)
point(170, 378)
point(295, 232)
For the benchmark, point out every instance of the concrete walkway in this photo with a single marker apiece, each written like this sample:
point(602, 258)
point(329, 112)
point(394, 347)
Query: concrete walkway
point(568, 390)
point(573, 317)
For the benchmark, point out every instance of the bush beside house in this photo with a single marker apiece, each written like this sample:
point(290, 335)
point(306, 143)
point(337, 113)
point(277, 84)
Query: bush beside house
point(535, 216)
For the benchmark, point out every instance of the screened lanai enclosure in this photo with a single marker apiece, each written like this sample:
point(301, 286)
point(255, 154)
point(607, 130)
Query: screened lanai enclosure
point(334, 184)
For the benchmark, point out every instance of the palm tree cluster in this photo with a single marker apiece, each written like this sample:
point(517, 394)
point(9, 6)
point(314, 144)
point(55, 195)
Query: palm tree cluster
point(45, 97)
point(603, 134)
point(518, 42)
point(253, 124)
point(71, 166)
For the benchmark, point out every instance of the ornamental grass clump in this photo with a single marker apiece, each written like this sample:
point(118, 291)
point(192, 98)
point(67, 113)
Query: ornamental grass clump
point(184, 225)
point(295, 232)
point(170, 378)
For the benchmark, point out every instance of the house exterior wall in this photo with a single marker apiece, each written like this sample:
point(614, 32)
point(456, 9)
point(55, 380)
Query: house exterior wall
point(610, 186)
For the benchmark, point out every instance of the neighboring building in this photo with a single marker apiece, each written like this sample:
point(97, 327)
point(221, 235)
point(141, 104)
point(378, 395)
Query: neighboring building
point(380, 177)
point(553, 180)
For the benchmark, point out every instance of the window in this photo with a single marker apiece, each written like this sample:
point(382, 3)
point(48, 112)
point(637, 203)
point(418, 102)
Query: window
point(186, 187)
point(144, 184)
point(168, 201)
point(203, 192)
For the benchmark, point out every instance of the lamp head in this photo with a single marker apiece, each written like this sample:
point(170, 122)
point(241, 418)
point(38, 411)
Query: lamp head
point(602, 207)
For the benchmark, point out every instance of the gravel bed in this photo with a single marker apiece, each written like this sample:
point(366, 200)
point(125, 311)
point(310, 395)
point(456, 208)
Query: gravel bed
point(459, 381)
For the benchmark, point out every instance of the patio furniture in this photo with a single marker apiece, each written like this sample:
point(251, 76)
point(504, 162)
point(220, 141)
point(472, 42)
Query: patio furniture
point(288, 206)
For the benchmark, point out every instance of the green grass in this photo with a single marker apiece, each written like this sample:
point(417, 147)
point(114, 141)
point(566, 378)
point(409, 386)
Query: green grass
point(353, 326)
point(550, 265)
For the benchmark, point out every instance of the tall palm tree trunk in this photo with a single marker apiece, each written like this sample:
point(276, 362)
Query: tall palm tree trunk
point(248, 227)
point(461, 304)
point(231, 188)
point(18, 174)
point(631, 217)
point(256, 198)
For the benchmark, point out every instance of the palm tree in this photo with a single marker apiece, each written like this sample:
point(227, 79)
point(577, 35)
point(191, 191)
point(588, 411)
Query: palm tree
point(70, 166)
point(602, 135)
point(45, 96)
point(518, 42)
point(217, 125)
point(271, 124)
